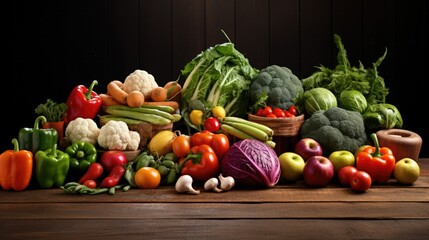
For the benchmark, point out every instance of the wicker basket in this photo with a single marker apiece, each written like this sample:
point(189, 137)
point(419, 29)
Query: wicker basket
point(286, 127)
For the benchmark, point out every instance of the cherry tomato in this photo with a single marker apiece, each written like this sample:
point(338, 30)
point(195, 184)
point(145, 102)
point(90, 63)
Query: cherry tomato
point(147, 177)
point(212, 124)
point(279, 112)
point(220, 145)
point(292, 109)
point(360, 181)
point(267, 110)
point(90, 183)
point(288, 114)
point(271, 115)
point(260, 112)
point(344, 175)
point(181, 146)
point(203, 137)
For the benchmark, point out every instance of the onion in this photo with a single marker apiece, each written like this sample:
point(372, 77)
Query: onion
point(251, 163)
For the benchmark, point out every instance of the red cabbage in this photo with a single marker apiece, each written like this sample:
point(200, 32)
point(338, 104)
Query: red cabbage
point(251, 163)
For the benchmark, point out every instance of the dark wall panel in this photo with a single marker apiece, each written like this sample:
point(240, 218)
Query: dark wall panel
point(315, 35)
point(252, 31)
point(220, 15)
point(123, 36)
point(284, 34)
point(155, 39)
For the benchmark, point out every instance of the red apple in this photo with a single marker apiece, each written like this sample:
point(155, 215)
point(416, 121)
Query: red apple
point(344, 175)
point(318, 171)
point(360, 181)
point(111, 158)
point(308, 147)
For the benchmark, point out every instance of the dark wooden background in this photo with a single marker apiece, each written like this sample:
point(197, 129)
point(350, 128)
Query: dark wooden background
point(51, 46)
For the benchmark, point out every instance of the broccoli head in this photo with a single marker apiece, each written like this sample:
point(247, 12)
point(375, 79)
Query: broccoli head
point(278, 84)
point(335, 129)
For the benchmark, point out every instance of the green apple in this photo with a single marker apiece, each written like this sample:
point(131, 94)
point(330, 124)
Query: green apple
point(292, 166)
point(341, 158)
point(360, 149)
point(406, 171)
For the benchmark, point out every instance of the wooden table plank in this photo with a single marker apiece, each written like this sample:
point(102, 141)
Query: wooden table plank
point(215, 229)
point(334, 210)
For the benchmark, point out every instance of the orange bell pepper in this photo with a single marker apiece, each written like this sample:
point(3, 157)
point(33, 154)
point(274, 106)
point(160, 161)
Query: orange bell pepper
point(16, 167)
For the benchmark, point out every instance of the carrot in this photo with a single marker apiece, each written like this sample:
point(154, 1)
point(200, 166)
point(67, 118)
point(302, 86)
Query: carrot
point(135, 98)
point(173, 104)
point(108, 100)
point(158, 94)
point(116, 92)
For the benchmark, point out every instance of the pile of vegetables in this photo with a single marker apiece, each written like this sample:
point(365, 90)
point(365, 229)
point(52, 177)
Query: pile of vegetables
point(356, 88)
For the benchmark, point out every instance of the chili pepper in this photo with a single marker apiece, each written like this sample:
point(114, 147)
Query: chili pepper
point(204, 163)
point(114, 177)
point(52, 166)
point(377, 162)
point(81, 155)
point(16, 167)
point(83, 102)
point(35, 139)
point(94, 172)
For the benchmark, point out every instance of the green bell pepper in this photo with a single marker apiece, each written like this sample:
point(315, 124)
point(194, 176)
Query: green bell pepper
point(52, 166)
point(81, 154)
point(35, 139)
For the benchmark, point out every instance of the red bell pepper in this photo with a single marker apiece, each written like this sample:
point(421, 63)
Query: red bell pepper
point(201, 163)
point(83, 102)
point(377, 162)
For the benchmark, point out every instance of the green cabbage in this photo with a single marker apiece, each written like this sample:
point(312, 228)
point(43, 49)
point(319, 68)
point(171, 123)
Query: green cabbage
point(352, 100)
point(319, 98)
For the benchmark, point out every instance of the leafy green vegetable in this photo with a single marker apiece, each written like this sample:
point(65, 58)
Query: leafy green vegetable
point(219, 76)
point(315, 99)
point(344, 77)
point(382, 116)
point(52, 111)
point(352, 100)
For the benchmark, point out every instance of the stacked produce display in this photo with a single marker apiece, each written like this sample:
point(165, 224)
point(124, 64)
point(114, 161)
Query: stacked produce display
point(218, 127)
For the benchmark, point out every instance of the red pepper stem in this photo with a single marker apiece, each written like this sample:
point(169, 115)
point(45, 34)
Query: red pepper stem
point(376, 153)
point(88, 93)
point(195, 157)
point(37, 122)
point(15, 145)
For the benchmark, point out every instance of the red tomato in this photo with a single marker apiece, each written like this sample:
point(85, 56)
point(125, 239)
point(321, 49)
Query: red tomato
point(202, 137)
point(111, 158)
point(181, 146)
point(288, 114)
point(260, 112)
point(344, 175)
point(211, 124)
point(292, 109)
point(220, 145)
point(360, 181)
point(279, 112)
point(271, 115)
point(267, 110)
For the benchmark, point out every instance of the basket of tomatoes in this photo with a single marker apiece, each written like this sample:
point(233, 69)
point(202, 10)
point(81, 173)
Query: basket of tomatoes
point(284, 122)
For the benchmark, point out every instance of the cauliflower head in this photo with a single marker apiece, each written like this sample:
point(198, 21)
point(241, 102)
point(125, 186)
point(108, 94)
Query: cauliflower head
point(115, 135)
point(335, 129)
point(82, 129)
point(279, 83)
point(140, 80)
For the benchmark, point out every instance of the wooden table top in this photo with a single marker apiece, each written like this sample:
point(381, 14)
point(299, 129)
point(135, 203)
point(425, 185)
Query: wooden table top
point(286, 211)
